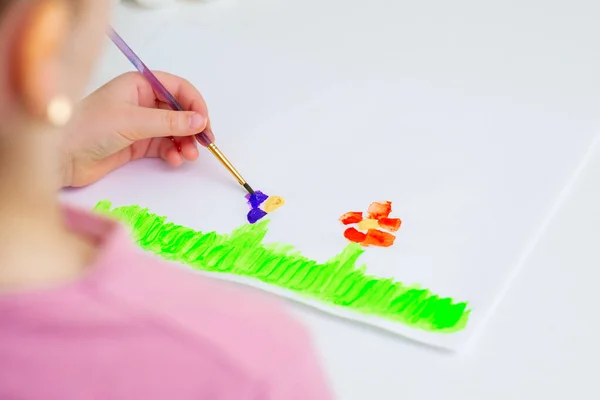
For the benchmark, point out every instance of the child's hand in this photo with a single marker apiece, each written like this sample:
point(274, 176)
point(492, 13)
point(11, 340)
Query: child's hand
point(124, 121)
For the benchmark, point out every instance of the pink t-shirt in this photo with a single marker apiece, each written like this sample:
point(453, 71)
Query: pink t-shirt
point(134, 327)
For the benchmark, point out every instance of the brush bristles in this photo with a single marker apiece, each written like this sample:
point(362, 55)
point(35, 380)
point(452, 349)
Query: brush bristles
point(248, 188)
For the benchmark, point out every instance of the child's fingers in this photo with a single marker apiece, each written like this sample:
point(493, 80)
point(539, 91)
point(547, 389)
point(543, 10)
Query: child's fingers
point(207, 130)
point(147, 123)
point(165, 149)
point(168, 152)
point(188, 96)
point(188, 144)
point(189, 150)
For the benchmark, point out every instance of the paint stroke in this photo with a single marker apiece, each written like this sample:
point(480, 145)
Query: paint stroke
point(354, 235)
point(256, 199)
point(375, 237)
point(269, 204)
point(374, 229)
point(379, 210)
point(340, 281)
point(255, 214)
point(273, 203)
point(352, 217)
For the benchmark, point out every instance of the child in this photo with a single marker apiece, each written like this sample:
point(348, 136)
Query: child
point(83, 313)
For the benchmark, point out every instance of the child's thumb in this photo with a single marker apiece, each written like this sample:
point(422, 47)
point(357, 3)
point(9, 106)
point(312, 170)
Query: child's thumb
point(152, 122)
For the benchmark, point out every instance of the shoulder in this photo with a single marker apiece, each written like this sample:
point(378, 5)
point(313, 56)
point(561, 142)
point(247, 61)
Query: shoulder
point(246, 327)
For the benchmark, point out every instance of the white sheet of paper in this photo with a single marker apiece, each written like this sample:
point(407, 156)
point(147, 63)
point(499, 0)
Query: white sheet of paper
point(473, 170)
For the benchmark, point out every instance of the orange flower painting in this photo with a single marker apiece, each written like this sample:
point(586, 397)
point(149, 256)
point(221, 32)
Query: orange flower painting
point(374, 230)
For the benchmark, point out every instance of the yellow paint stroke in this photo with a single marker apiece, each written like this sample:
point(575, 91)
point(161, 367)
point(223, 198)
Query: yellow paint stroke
point(367, 224)
point(273, 203)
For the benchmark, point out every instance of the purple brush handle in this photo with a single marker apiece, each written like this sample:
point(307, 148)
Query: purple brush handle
point(158, 87)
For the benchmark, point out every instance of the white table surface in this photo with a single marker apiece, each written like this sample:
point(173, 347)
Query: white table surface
point(542, 341)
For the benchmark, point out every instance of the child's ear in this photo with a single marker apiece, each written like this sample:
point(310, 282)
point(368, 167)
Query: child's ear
point(38, 62)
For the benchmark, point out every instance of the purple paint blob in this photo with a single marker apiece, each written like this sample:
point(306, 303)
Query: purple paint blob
point(256, 199)
point(255, 214)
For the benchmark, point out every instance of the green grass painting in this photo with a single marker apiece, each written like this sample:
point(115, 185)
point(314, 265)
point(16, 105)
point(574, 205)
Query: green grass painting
point(340, 281)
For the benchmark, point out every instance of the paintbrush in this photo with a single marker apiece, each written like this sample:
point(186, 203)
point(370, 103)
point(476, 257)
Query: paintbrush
point(168, 98)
